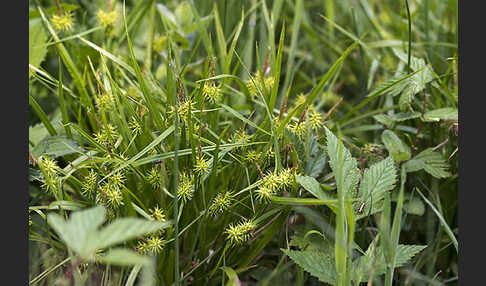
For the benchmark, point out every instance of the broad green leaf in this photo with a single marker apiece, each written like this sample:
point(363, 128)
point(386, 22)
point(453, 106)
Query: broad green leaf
point(441, 114)
point(312, 185)
point(124, 229)
point(402, 116)
point(383, 119)
point(56, 146)
point(395, 146)
point(233, 279)
point(37, 41)
point(377, 179)
point(319, 264)
point(78, 230)
point(363, 264)
point(423, 77)
point(123, 257)
point(431, 161)
point(347, 176)
point(405, 100)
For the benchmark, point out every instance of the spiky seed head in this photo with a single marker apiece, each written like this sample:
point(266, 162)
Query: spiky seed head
point(114, 197)
point(117, 179)
point(50, 184)
point(297, 128)
point(157, 214)
point(135, 126)
point(106, 19)
point(239, 233)
point(264, 194)
point(89, 183)
point(221, 202)
point(315, 120)
point(185, 189)
point(63, 22)
point(211, 92)
point(48, 165)
point(155, 244)
point(142, 247)
point(253, 156)
point(154, 178)
point(202, 166)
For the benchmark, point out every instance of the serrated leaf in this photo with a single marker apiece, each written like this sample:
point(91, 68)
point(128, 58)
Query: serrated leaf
point(80, 233)
point(431, 161)
point(123, 257)
point(395, 146)
point(377, 180)
point(77, 231)
point(317, 263)
point(317, 159)
point(124, 229)
point(402, 116)
point(347, 176)
point(312, 186)
point(383, 119)
point(37, 41)
point(393, 85)
point(421, 78)
point(405, 100)
point(441, 114)
point(363, 264)
point(56, 146)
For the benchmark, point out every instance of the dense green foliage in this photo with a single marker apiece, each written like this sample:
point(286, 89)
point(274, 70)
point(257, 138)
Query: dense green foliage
point(243, 142)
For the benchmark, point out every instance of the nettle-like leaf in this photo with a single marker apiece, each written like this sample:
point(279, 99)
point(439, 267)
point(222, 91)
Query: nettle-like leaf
point(446, 113)
point(347, 177)
point(431, 161)
point(56, 146)
point(318, 263)
point(81, 234)
point(364, 263)
point(417, 82)
point(377, 180)
point(395, 146)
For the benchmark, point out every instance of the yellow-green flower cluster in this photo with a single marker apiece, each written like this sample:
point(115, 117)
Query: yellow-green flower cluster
point(297, 128)
point(315, 120)
point(106, 19)
point(211, 92)
point(273, 183)
point(253, 89)
point(107, 136)
point(183, 109)
point(153, 244)
point(104, 101)
point(253, 156)
point(135, 126)
point(154, 178)
point(221, 202)
point(49, 168)
point(157, 214)
point(110, 195)
point(89, 183)
point(240, 233)
point(185, 189)
point(202, 166)
point(63, 22)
